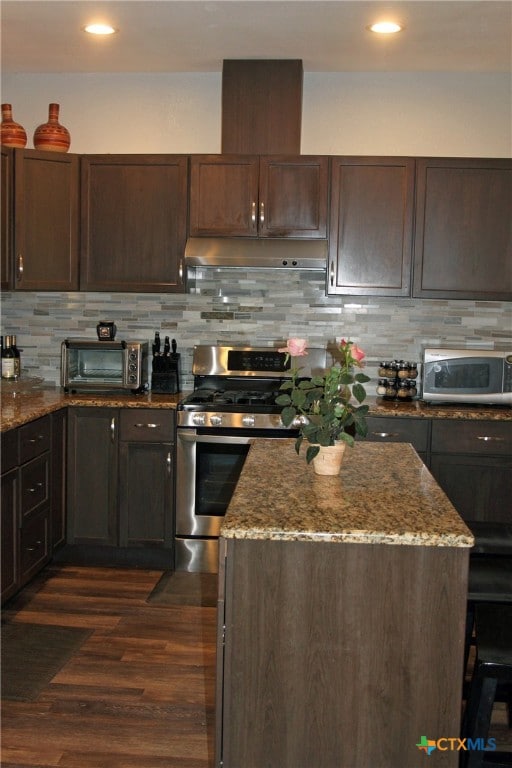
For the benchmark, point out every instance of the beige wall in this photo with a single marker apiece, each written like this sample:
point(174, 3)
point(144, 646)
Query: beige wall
point(450, 114)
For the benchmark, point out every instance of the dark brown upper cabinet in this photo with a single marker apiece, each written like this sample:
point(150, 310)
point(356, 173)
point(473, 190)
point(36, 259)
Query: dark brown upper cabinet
point(6, 219)
point(463, 240)
point(134, 222)
point(252, 196)
point(45, 210)
point(371, 226)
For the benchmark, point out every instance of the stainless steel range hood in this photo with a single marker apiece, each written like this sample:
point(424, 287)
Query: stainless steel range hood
point(256, 253)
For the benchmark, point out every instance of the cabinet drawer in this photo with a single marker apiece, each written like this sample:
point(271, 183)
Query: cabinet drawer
point(35, 438)
point(9, 444)
point(35, 484)
point(146, 425)
point(390, 429)
point(34, 545)
point(483, 437)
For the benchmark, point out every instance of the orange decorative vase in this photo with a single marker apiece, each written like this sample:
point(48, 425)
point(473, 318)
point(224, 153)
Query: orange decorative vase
point(13, 134)
point(52, 136)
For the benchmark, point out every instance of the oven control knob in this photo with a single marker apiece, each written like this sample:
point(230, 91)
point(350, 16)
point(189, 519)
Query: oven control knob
point(199, 419)
point(248, 421)
point(215, 420)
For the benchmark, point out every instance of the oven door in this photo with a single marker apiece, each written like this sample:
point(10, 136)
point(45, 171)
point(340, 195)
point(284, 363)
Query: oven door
point(208, 466)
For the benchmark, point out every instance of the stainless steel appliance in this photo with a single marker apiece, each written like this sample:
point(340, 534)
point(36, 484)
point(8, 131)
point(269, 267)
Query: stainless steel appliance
point(467, 376)
point(107, 365)
point(233, 403)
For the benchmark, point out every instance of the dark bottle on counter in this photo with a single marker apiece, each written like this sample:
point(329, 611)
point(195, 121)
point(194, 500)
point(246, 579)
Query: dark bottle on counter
point(167, 347)
point(8, 360)
point(17, 358)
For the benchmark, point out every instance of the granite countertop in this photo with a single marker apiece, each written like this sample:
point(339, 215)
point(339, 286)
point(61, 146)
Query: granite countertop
point(19, 405)
point(384, 494)
point(25, 406)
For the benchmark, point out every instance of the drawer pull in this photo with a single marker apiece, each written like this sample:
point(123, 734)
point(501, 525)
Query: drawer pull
point(147, 426)
point(33, 490)
point(36, 439)
point(169, 463)
point(488, 439)
point(385, 434)
point(34, 548)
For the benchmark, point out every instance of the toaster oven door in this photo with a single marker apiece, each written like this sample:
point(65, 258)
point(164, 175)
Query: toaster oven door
point(93, 366)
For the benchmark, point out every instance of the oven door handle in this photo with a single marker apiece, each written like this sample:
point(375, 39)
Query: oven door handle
point(190, 436)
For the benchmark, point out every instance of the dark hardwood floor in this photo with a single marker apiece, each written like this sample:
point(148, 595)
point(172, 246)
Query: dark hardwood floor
point(139, 693)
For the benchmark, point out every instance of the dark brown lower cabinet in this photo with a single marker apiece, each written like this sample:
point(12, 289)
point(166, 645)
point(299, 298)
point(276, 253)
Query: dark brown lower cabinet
point(472, 462)
point(58, 483)
point(397, 429)
point(121, 486)
point(337, 654)
point(26, 502)
point(9, 530)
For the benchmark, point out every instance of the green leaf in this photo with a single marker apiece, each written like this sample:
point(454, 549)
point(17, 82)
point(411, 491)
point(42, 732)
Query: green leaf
point(283, 400)
point(288, 415)
point(362, 377)
point(286, 385)
point(298, 443)
point(312, 451)
point(359, 392)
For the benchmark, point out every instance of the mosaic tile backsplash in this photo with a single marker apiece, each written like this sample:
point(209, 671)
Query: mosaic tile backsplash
point(258, 307)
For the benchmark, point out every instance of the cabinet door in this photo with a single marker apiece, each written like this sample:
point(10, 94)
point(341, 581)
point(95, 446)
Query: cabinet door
point(293, 197)
point(146, 478)
point(463, 238)
point(6, 220)
point(92, 476)
point(58, 478)
point(224, 195)
point(46, 188)
point(10, 530)
point(145, 495)
point(371, 226)
point(479, 487)
point(134, 221)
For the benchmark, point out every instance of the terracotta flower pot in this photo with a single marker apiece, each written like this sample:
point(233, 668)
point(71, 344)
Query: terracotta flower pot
point(13, 134)
point(52, 136)
point(329, 459)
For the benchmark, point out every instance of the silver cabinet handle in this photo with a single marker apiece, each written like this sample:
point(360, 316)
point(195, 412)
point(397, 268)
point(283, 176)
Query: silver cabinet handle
point(253, 212)
point(331, 274)
point(113, 429)
point(168, 462)
point(386, 434)
point(34, 548)
point(180, 271)
point(262, 213)
point(19, 267)
point(146, 426)
point(488, 439)
point(33, 490)
point(36, 439)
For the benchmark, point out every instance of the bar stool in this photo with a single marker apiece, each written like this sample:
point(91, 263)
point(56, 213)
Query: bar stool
point(490, 570)
point(493, 666)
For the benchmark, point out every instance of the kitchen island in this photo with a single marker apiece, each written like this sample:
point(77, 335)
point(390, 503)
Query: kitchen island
point(342, 604)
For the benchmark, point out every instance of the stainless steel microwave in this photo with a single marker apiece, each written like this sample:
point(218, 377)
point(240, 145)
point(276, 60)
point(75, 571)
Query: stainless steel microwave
point(467, 376)
point(98, 366)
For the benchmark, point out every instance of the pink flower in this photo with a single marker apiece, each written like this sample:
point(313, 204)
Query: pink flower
point(351, 350)
point(295, 347)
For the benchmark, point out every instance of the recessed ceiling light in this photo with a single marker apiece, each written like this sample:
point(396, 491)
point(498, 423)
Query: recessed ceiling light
point(386, 27)
point(100, 29)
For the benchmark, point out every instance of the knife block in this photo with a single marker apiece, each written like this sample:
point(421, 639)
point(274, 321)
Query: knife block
point(166, 374)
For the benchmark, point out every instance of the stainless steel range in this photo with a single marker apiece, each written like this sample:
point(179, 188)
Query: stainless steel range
point(233, 403)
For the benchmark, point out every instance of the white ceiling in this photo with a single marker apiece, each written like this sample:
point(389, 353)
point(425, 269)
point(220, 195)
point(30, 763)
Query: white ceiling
point(195, 36)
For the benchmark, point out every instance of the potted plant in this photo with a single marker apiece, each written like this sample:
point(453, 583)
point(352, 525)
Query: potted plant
point(328, 409)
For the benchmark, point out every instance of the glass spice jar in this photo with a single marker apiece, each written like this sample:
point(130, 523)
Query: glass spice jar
point(404, 390)
point(390, 389)
point(381, 387)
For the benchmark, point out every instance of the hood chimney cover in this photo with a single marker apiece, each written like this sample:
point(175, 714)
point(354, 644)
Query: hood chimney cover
point(261, 106)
